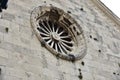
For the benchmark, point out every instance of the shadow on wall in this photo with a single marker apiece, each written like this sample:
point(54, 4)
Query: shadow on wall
point(0, 74)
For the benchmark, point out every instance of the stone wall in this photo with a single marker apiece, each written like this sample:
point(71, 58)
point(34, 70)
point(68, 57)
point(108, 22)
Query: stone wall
point(23, 58)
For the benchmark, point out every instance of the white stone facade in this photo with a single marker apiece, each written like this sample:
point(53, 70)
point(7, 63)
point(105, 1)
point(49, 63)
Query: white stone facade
point(23, 58)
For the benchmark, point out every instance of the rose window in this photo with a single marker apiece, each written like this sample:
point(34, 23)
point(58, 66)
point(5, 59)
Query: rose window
point(56, 36)
point(58, 32)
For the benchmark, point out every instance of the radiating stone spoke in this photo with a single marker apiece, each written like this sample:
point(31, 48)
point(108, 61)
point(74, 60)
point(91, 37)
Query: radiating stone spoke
point(44, 34)
point(44, 30)
point(66, 51)
point(57, 29)
point(42, 25)
point(45, 27)
point(52, 44)
point(67, 46)
point(61, 32)
point(46, 37)
point(68, 36)
point(49, 26)
point(60, 48)
point(49, 41)
point(53, 29)
point(56, 47)
point(69, 42)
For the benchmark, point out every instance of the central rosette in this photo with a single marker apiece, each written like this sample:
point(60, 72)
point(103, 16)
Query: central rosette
point(55, 36)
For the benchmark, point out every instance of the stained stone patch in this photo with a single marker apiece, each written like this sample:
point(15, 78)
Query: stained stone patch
point(8, 16)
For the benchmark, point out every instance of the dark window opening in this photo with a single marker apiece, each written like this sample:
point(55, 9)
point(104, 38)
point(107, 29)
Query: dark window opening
point(3, 4)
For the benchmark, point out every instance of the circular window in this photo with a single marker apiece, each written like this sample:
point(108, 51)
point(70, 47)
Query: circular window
point(58, 32)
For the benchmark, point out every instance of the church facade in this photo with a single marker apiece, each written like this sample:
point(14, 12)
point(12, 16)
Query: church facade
point(59, 40)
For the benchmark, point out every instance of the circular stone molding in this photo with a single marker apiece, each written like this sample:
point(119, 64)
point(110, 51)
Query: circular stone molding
point(58, 32)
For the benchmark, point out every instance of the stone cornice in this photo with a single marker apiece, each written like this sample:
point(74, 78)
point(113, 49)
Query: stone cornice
point(107, 11)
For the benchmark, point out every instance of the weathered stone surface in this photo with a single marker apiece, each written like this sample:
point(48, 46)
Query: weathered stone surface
point(23, 58)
